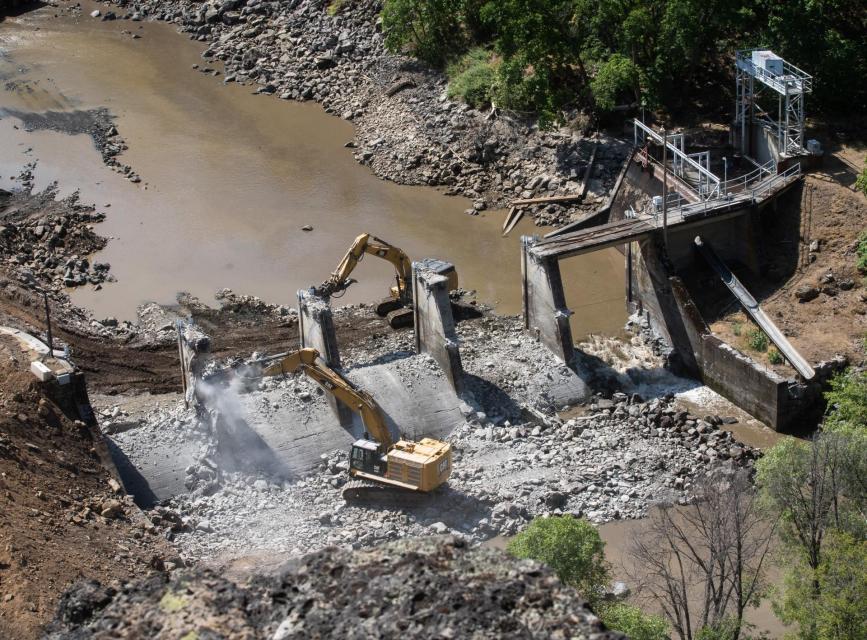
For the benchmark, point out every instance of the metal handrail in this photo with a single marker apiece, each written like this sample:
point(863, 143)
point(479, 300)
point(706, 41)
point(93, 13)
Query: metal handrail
point(683, 157)
point(792, 75)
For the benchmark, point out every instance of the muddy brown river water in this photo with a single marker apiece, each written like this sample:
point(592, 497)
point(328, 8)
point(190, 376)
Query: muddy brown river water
point(229, 178)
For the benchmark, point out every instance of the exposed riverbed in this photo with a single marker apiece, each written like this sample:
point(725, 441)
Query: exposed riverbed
point(229, 178)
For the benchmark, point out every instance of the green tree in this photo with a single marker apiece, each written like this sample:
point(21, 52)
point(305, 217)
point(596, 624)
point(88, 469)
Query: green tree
point(540, 42)
point(571, 547)
point(828, 603)
point(819, 491)
point(847, 399)
point(826, 39)
point(861, 249)
point(861, 185)
point(632, 621)
point(430, 29)
point(617, 76)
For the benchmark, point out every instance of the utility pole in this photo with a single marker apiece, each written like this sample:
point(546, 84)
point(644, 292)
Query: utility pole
point(48, 324)
point(665, 189)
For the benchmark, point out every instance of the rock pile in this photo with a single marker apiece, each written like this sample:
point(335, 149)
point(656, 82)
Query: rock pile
point(433, 588)
point(46, 242)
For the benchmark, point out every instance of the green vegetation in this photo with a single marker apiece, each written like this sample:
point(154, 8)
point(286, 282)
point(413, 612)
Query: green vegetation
point(594, 55)
point(774, 356)
point(334, 7)
point(571, 547)
point(847, 403)
point(817, 490)
point(861, 180)
point(737, 328)
point(828, 603)
point(428, 29)
point(473, 78)
point(757, 340)
point(633, 622)
point(861, 253)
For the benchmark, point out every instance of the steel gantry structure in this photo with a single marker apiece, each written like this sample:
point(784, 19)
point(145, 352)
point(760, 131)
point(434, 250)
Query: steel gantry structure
point(760, 71)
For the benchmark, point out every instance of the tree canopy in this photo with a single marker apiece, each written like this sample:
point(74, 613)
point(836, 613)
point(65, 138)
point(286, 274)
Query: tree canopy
point(596, 54)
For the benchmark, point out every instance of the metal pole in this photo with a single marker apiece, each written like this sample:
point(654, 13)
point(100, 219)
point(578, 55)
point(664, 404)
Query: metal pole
point(48, 325)
point(664, 189)
point(725, 175)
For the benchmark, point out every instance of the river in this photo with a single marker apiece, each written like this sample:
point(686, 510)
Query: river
point(229, 179)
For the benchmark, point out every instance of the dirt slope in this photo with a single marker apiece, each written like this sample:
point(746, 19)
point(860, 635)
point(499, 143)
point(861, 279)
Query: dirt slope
point(53, 494)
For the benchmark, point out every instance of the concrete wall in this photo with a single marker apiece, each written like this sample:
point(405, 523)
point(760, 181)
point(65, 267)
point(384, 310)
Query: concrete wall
point(435, 332)
point(783, 404)
point(316, 328)
point(545, 311)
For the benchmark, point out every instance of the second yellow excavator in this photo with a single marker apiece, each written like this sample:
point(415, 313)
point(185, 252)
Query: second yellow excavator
point(397, 307)
point(379, 466)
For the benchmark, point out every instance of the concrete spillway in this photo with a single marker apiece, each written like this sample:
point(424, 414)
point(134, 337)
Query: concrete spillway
point(749, 303)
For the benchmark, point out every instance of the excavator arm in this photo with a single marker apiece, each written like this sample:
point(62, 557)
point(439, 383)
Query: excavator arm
point(367, 244)
point(308, 361)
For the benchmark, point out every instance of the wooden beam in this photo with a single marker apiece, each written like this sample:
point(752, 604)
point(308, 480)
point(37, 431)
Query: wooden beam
point(546, 200)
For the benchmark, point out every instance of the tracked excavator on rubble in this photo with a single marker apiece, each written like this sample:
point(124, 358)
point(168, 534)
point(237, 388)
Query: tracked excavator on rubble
point(398, 306)
point(380, 468)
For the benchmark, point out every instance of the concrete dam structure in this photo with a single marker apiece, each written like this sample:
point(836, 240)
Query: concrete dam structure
point(657, 211)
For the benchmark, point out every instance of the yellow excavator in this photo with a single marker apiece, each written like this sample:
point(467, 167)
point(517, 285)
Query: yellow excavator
point(379, 466)
point(398, 306)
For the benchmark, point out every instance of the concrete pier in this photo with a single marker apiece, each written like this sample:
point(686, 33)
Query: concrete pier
point(545, 311)
point(435, 332)
point(316, 328)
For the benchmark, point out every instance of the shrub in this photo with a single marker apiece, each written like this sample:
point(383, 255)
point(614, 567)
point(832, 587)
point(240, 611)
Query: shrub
point(617, 76)
point(633, 622)
point(334, 7)
point(737, 328)
point(847, 401)
point(861, 253)
point(861, 180)
point(473, 78)
point(757, 340)
point(571, 547)
point(774, 356)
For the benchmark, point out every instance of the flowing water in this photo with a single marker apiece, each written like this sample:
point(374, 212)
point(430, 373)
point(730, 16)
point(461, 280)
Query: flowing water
point(229, 178)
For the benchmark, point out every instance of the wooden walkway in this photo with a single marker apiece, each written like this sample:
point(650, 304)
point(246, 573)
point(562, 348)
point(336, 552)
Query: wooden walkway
point(593, 239)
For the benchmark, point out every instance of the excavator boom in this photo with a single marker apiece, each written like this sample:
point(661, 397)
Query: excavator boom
point(307, 360)
point(367, 244)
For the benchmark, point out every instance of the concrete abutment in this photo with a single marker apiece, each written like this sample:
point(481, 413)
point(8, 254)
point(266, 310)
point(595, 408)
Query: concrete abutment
point(435, 332)
point(544, 301)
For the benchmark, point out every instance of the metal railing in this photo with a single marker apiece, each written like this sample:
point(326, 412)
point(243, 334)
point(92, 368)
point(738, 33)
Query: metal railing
point(681, 159)
point(679, 209)
point(792, 77)
point(740, 183)
point(766, 186)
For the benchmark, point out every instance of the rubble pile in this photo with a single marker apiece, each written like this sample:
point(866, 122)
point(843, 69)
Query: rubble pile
point(46, 242)
point(406, 128)
point(411, 589)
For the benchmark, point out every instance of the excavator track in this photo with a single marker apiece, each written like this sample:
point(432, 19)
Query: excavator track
point(358, 492)
point(401, 318)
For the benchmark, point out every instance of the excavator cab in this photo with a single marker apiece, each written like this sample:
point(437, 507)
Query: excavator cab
point(367, 457)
